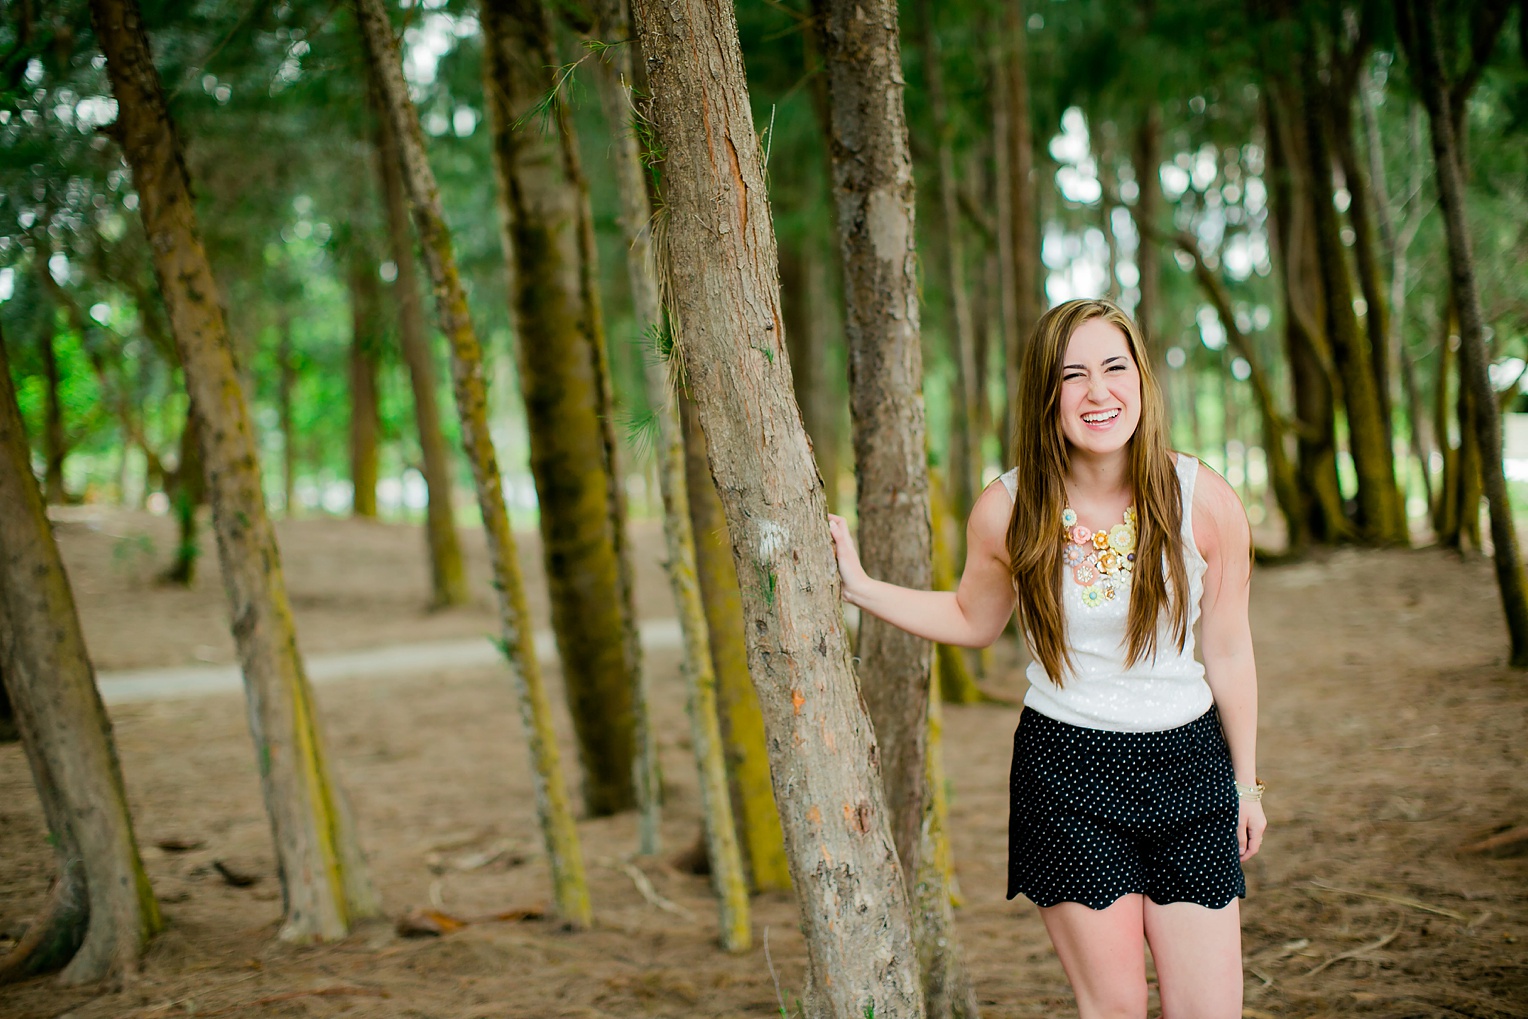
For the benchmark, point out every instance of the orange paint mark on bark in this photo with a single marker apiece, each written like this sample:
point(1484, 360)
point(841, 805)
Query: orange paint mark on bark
point(857, 817)
point(827, 856)
point(814, 815)
point(797, 699)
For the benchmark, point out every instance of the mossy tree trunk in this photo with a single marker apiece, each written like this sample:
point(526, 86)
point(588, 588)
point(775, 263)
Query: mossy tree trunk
point(616, 79)
point(55, 437)
point(721, 286)
point(559, 346)
point(1419, 27)
point(102, 911)
point(517, 639)
point(186, 487)
point(753, 797)
point(1312, 376)
point(1380, 519)
point(874, 201)
point(365, 424)
point(448, 571)
point(324, 881)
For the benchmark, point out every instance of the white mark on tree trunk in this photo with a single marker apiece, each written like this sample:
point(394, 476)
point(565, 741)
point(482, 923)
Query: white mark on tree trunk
point(772, 540)
point(886, 219)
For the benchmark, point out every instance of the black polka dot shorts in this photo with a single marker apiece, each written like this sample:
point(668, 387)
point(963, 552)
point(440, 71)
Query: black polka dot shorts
point(1097, 814)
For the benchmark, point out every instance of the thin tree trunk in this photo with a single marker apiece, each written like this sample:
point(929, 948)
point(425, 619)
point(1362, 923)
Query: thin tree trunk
point(1022, 226)
point(1471, 483)
point(569, 888)
point(1420, 28)
point(1397, 244)
point(109, 909)
point(556, 334)
point(727, 873)
point(1379, 518)
point(965, 452)
point(1446, 505)
point(55, 441)
point(874, 200)
point(365, 319)
point(1146, 158)
point(448, 572)
point(742, 719)
point(1362, 214)
point(957, 685)
point(286, 382)
point(186, 487)
point(324, 878)
point(720, 284)
point(1322, 519)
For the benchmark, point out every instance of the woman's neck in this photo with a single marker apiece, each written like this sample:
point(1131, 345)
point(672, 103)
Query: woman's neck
point(1099, 478)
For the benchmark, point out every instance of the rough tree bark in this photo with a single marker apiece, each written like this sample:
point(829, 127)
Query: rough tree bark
point(720, 284)
point(102, 911)
point(742, 720)
point(448, 572)
point(365, 425)
point(1419, 23)
point(727, 874)
point(324, 879)
point(556, 334)
point(874, 201)
point(517, 640)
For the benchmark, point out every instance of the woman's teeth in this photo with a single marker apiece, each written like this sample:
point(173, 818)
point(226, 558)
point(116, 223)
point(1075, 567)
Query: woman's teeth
point(1101, 417)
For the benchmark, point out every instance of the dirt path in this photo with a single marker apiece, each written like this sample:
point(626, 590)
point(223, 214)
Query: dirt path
point(1392, 738)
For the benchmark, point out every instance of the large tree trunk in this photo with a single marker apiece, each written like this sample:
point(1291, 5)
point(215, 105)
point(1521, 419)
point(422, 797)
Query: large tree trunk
point(753, 797)
point(616, 79)
point(558, 351)
point(517, 639)
point(1421, 31)
point(874, 199)
point(103, 911)
point(1380, 518)
point(324, 881)
point(720, 282)
point(365, 425)
point(448, 572)
point(801, 296)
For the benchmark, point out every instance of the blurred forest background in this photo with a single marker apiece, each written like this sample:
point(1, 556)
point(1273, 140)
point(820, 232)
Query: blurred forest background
point(1167, 153)
point(1318, 211)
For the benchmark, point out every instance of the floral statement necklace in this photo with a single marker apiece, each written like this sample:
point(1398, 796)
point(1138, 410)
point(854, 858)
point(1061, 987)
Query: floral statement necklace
point(1102, 562)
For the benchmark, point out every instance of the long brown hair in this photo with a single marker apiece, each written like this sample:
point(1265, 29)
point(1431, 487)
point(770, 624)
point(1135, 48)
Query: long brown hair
point(1160, 583)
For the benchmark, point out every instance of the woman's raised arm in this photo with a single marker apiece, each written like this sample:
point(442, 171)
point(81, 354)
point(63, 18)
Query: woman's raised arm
point(973, 615)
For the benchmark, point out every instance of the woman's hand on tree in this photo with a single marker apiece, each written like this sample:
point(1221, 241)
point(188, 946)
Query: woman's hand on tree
point(849, 567)
point(1250, 824)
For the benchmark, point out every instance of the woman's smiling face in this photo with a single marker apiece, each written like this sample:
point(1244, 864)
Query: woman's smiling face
point(1100, 390)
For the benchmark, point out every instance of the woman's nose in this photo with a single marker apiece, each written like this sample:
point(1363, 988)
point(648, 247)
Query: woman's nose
point(1097, 391)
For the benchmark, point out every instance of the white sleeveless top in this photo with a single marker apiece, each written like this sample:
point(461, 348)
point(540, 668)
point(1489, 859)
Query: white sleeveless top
point(1161, 692)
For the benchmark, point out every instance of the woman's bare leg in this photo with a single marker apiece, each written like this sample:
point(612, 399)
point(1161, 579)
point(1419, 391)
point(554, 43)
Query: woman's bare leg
point(1104, 954)
point(1197, 951)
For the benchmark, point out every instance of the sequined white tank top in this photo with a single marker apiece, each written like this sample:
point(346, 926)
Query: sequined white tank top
point(1158, 693)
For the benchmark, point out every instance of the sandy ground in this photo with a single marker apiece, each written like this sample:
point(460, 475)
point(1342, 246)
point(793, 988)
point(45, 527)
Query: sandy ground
point(1392, 739)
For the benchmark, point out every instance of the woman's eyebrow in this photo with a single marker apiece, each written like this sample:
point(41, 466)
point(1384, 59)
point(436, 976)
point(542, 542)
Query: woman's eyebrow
point(1116, 357)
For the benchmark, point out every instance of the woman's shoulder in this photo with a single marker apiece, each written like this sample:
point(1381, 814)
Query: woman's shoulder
point(1219, 519)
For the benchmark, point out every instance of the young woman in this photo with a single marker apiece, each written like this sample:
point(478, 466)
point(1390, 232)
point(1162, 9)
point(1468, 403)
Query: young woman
point(1134, 791)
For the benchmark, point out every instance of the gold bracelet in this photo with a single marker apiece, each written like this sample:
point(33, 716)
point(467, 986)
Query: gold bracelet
point(1253, 792)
